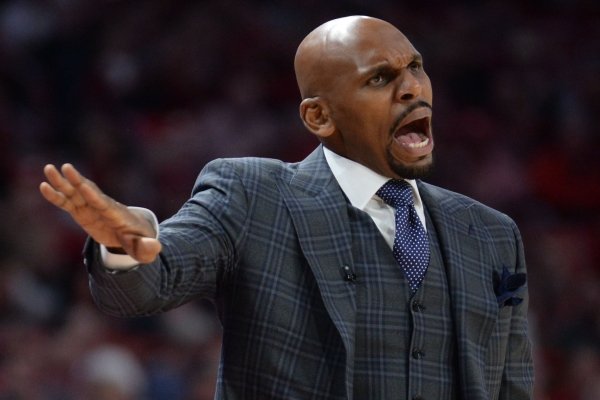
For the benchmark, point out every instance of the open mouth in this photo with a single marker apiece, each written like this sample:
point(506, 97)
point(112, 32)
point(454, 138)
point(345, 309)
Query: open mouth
point(414, 131)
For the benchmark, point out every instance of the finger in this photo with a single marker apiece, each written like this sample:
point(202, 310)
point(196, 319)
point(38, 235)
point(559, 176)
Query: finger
point(108, 212)
point(58, 182)
point(94, 197)
point(72, 174)
point(56, 198)
point(50, 169)
point(87, 189)
point(148, 249)
point(75, 180)
point(62, 185)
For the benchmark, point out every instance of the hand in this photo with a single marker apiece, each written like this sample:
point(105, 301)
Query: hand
point(104, 219)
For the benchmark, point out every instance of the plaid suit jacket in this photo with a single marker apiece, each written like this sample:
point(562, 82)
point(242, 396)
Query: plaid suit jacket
point(268, 242)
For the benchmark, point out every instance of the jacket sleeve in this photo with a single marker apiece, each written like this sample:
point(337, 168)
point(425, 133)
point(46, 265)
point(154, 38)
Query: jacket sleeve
point(199, 251)
point(517, 378)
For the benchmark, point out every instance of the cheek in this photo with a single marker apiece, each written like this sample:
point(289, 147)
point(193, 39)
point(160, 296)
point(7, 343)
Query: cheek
point(427, 90)
point(362, 123)
point(348, 122)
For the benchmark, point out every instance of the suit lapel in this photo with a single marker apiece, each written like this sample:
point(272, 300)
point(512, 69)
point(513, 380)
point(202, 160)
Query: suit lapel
point(318, 209)
point(464, 244)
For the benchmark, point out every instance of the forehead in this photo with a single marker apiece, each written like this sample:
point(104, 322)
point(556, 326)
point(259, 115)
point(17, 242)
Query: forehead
point(366, 46)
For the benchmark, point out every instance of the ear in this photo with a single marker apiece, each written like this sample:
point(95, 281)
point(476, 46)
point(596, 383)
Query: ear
point(316, 117)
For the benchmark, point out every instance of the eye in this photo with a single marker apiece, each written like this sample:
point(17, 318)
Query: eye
point(378, 80)
point(415, 66)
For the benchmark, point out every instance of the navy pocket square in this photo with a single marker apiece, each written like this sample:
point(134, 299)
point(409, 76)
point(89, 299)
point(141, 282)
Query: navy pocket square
point(507, 286)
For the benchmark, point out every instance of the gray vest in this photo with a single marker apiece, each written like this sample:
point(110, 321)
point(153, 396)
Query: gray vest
point(405, 345)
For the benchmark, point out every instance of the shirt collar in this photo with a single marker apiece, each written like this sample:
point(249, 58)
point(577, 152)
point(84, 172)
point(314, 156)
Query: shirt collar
point(360, 183)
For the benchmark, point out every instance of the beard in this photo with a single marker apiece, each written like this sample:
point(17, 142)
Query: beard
point(410, 171)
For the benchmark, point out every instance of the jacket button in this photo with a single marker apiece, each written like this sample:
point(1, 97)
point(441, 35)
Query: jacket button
point(418, 354)
point(417, 307)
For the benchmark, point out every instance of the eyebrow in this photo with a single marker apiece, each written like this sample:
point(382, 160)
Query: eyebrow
point(386, 67)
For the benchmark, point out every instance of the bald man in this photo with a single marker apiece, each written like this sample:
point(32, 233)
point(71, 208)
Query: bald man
point(304, 261)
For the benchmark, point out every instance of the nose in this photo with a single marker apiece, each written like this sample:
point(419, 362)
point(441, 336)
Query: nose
point(409, 87)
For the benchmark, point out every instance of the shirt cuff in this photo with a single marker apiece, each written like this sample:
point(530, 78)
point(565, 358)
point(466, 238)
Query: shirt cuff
point(124, 262)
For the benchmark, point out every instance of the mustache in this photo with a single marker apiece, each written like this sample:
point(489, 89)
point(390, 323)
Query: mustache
point(408, 110)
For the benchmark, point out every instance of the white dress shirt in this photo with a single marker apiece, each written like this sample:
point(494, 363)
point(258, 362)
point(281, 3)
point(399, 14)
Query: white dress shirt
point(358, 183)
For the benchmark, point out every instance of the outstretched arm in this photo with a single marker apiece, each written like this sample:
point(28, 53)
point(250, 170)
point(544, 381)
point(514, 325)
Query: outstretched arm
point(106, 221)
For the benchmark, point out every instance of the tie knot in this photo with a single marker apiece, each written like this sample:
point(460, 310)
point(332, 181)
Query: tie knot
point(396, 193)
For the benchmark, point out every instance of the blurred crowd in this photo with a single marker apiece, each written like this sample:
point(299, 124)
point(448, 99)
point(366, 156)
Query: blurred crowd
point(141, 94)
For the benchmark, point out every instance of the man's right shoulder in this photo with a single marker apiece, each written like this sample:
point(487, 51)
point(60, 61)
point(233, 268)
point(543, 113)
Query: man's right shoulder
point(255, 167)
point(258, 173)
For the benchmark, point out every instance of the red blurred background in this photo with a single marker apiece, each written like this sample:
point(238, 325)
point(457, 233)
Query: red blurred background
point(141, 94)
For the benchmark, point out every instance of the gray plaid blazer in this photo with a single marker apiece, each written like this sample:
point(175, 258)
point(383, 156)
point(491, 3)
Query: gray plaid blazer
point(268, 242)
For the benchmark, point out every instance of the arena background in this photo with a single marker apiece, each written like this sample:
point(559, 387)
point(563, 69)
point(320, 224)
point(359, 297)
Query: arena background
point(141, 94)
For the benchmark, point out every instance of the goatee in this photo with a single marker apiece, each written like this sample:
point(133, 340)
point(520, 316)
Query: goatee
point(409, 171)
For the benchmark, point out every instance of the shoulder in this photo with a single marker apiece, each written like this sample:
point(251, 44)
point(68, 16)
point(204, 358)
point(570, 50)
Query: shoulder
point(246, 176)
point(450, 202)
point(249, 168)
point(311, 171)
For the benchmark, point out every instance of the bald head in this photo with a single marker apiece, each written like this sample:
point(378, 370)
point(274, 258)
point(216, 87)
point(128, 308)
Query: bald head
point(366, 96)
point(322, 54)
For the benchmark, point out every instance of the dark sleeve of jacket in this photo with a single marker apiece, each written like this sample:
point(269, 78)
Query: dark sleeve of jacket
point(199, 250)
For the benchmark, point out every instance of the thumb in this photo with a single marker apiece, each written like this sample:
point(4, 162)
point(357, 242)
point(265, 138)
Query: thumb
point(143, 249)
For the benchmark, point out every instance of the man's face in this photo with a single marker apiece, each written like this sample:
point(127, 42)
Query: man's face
point(380, 103)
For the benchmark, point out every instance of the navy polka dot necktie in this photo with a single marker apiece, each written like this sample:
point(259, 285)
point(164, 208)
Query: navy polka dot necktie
point(411, 246)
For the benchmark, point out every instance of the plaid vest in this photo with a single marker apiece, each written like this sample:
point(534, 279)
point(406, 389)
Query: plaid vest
point(405, 345)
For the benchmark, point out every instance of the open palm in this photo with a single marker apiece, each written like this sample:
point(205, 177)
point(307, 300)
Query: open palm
point(107, 221)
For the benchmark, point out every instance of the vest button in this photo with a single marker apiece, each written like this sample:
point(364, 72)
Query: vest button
point(418, 354)
point(417, 307)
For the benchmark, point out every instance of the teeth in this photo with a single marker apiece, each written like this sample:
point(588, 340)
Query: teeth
point(418, 145)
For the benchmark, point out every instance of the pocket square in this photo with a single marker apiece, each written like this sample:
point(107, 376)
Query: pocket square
point(507, 286)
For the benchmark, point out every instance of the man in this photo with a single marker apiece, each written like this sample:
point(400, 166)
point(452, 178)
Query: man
point(324, 289)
